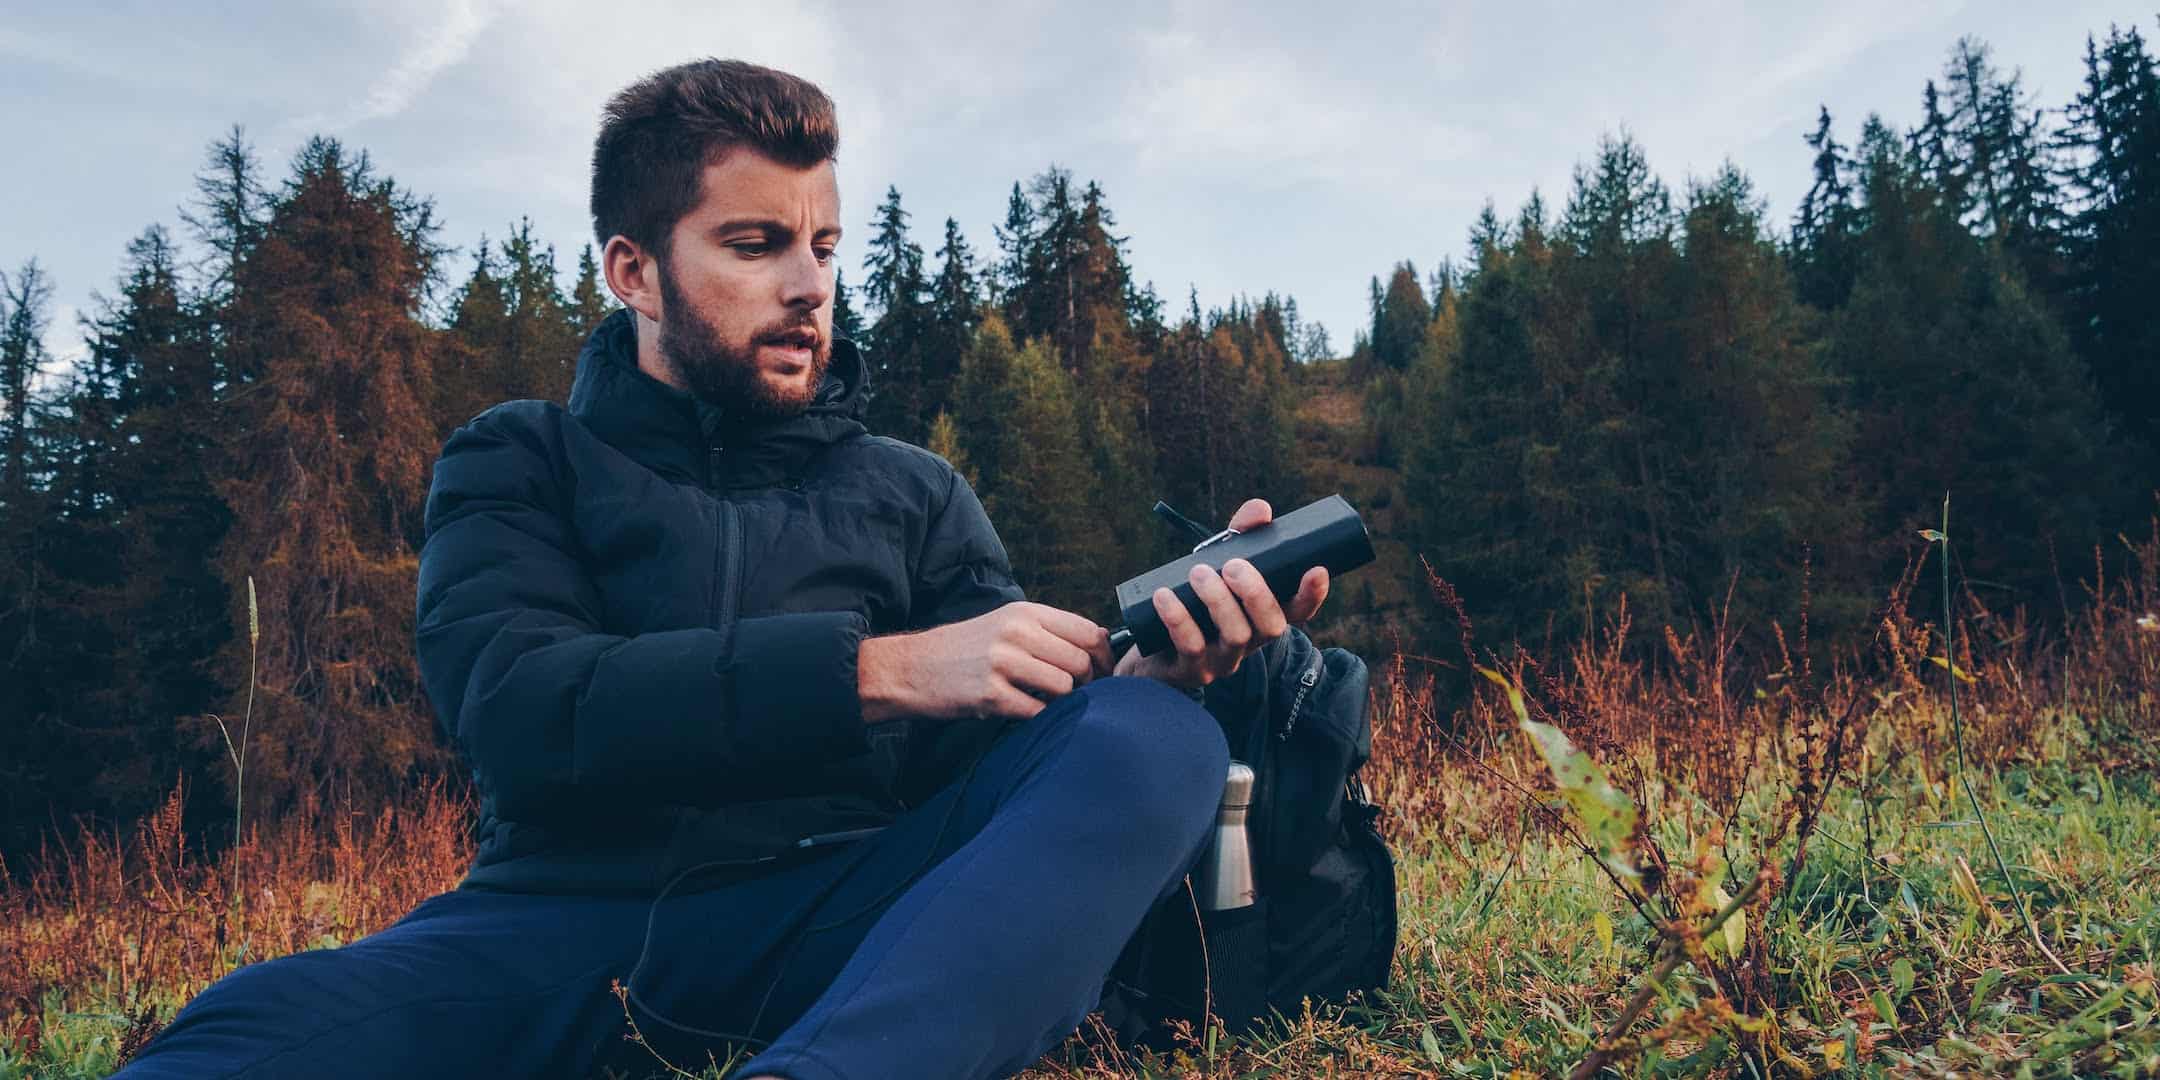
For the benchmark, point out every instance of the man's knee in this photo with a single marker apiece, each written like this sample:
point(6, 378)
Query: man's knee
point(1156, 747)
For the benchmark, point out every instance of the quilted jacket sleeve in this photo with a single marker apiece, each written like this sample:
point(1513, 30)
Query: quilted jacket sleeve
point(963, 571)
point(556, 715)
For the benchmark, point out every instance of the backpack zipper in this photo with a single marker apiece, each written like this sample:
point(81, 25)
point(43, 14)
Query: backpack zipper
point(1305, 685)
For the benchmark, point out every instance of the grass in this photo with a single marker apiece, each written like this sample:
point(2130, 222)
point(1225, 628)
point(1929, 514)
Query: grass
point(1872, 934)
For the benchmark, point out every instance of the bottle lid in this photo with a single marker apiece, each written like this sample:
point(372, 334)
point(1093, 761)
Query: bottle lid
point(1237, 787)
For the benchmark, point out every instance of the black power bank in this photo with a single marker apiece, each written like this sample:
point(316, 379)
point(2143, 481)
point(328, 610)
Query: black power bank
point(1325, 533)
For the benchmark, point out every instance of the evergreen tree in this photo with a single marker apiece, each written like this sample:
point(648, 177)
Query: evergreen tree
point(2115, 131)
point(1982, 145)
point(1962, 381)
point(1112, 409)
point(590, 302)
point(24, 314)
point(1491, 428)
point(170, 610)
point(1399, 319)
point(513, 336)
point(982, 401)
point(122, 632)
point(1064, 272)
point(846, 321)
point(1045, 298)
point(1750, 442)
point(955, 309)
point(1016, 248)
point(228, 214)
point(1610, 355)
point(897, 289)
point(945, 443)
point(326, 460)
point(468, 374)
point(1822, 236)
point(29, 640)
point(1043, 503)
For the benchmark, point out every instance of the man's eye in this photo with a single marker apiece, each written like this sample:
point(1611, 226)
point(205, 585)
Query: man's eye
point(751, 249)
point(824, 255)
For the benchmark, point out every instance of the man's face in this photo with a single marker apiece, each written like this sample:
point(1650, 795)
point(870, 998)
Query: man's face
point(746, 290)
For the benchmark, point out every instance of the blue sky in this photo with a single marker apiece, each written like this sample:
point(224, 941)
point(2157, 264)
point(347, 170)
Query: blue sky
point(1244, 147)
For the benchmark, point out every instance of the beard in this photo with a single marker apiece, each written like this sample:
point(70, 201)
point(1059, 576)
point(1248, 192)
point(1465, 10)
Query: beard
point(728, 376)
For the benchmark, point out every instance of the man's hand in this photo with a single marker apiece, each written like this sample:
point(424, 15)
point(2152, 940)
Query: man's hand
point(1244, 610)
point(1005, 663)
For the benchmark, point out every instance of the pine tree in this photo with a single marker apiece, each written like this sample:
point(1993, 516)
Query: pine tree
point(590, 301)
point(467, 375)
point(171, 607)
point(2114, 129)
point(1016, 249)
point(1610, 356)
point(326, 459)
point(896, 288)
point(1112, 411)
point(1822, 236)
point(955, 309)
point(513, 335)
point(1042, 503)
point(228, 214)
point(1962, 380)
point(846, 321)
point(982, 401)
point(945, 443)
point(24, 314)
point(123, 632)
point(1751, 437)
point(1399, 319)
point(1982, 145)
point(1491, 426)
point(26, 636)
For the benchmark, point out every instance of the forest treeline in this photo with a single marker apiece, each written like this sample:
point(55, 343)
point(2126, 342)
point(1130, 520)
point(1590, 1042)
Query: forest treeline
point(1667, 395)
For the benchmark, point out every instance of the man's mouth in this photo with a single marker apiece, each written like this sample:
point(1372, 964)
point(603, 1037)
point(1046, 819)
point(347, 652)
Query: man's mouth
point(798, 345)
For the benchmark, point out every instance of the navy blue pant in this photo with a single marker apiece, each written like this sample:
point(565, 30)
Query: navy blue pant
point(965, 940)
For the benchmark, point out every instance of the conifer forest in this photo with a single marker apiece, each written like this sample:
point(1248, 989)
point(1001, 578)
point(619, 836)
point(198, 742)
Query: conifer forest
point(1647, 459)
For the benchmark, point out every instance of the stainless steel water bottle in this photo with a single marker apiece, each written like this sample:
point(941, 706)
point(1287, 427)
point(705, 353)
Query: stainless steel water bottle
point(1224, 879)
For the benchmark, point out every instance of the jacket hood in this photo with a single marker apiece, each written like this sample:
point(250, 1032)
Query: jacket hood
point(688, 439)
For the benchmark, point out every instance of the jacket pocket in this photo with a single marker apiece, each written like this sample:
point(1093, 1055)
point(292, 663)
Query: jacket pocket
point(1322, 737)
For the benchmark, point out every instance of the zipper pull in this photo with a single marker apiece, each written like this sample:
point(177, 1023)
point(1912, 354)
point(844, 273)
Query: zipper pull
point(1305, 685)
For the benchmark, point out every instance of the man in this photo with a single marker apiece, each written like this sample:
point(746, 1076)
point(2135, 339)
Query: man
point(765, 733)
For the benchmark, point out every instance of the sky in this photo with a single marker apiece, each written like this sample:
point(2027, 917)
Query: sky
point(1299, 148)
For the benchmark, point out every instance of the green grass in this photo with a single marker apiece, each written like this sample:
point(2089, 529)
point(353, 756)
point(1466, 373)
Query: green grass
point(1911, 962)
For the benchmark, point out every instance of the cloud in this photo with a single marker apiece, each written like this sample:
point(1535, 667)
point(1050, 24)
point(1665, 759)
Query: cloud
point(440, 46)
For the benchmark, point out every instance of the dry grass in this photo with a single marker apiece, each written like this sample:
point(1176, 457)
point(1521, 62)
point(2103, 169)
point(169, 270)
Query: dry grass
point(1822, 793)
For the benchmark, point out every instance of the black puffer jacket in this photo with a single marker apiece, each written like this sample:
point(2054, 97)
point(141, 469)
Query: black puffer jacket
point(638, 620)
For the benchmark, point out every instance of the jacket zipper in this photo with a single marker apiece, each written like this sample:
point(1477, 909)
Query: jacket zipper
point(730, 551)
point(1305, 685)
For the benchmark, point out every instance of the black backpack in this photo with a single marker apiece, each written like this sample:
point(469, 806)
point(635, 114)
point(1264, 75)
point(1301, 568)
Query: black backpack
point(1324, 926)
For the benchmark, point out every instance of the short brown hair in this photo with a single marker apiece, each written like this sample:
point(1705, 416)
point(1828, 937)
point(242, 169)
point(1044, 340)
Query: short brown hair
point(658, 134)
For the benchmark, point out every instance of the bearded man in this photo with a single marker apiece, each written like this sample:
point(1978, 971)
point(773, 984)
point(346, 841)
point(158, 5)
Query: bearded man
point(766, 736)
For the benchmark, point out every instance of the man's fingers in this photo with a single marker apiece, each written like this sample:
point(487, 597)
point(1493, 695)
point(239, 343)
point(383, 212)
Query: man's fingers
point(1253, 514)
point(1080, 630)
point(1178, 623)
point(1011, 701)
point(1072, 659)
point(1259, 602)
point(1312, 592)
point(1040, 676)
point(1105, 662)
point(1232, 630)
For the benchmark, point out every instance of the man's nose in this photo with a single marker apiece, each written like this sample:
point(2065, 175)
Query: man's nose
point(805, 284)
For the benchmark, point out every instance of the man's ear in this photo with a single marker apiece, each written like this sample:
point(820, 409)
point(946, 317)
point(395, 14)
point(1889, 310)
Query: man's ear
point(633, 275)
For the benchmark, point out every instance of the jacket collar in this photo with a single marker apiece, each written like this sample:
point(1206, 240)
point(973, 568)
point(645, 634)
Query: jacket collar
point(674, 433)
